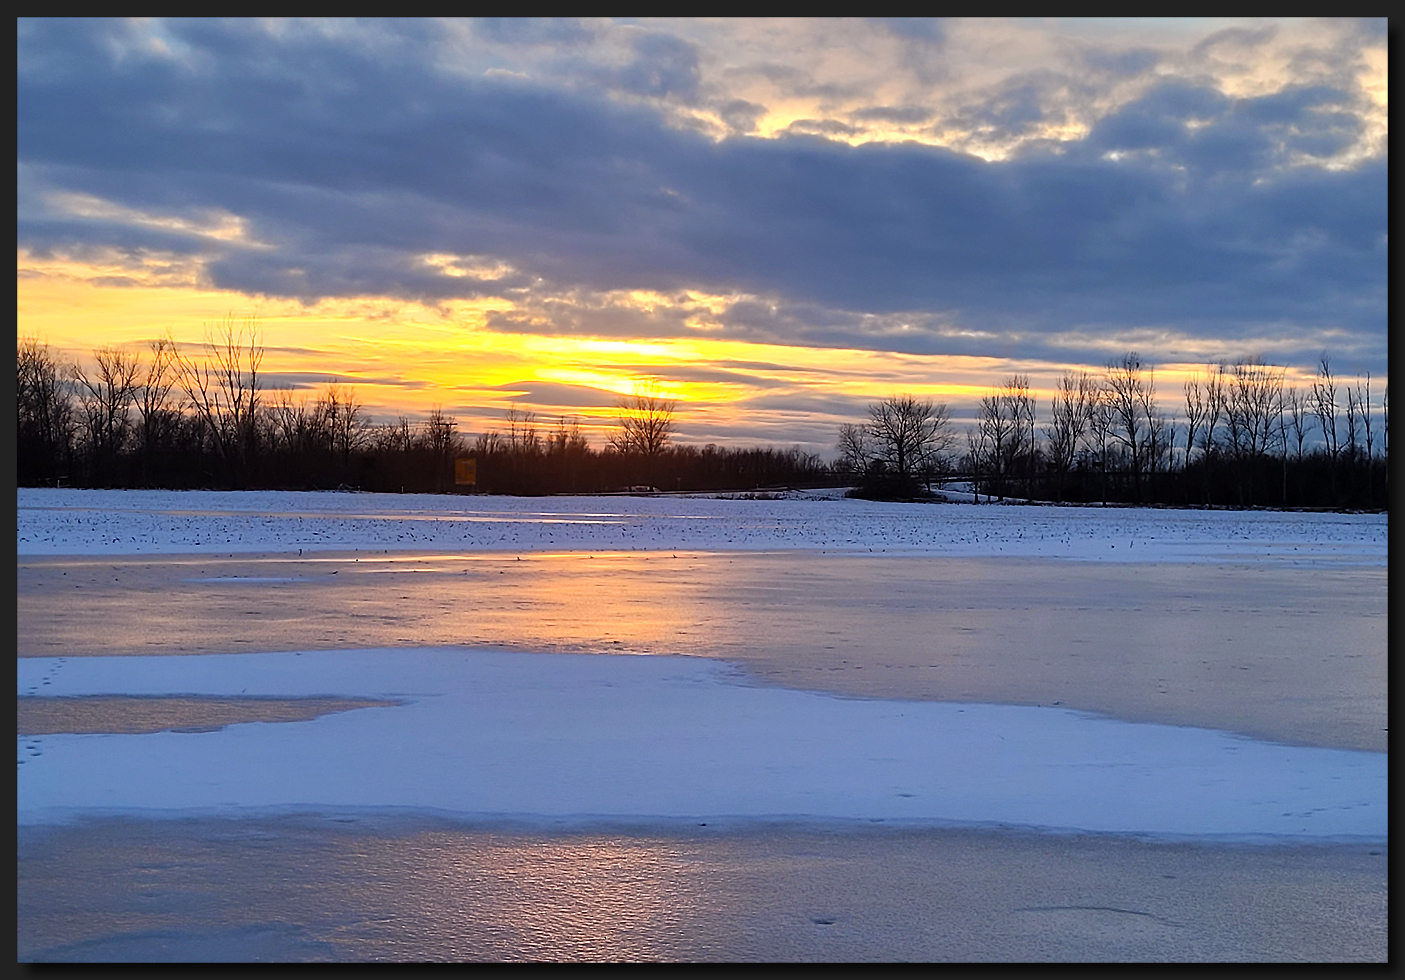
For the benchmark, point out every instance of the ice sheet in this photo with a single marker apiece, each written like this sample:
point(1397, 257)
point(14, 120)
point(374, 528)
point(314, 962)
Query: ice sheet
point(119, 522)
point(493, 734)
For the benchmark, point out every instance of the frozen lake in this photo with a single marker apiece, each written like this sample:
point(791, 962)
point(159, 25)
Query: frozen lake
point(133, 522)
point(1158, 675)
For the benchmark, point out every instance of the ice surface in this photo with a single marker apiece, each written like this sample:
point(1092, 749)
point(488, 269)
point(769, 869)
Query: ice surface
point(125, 522)
point(495, 734)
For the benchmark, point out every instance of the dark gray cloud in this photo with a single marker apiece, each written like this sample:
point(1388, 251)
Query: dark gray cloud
point(663, 66)
point(1183, 211)
point(925, 29)
point(710, 375)
point(1126, 63)
point(1234, 37)
point(303, 380)
point(534, 392)
point(740, 115)
point(533, 30)
point(825, 127)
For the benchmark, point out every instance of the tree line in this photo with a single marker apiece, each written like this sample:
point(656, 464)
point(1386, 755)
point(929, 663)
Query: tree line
point(166, 418)
point(1240, 436)
point(1243, 438)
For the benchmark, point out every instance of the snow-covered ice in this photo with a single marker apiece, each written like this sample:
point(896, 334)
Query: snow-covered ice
point(493, 734)
point(499, 734)
point(127, 522)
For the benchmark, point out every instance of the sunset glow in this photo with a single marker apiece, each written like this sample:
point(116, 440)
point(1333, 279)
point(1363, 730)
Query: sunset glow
point(772, 222)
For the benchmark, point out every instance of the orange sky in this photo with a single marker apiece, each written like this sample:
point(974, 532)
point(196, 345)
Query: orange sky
point(408, 358)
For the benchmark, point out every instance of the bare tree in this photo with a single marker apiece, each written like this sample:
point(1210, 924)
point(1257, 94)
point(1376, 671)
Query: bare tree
point(442, 441)
point(1216, 401)
point(855, 448)
point(1196, 412)
point(975, 461)
point(645, 423)
point(345, 421)
point(1325, 408)
point(1216, 398)
point(1071, 409)
point(1252, 404)
point(909, 434)
point(288, 422)
point(45, 414)
point(1353, 427)
point(1298, 409)
point(522, 435)
point(393, 437)
point(1253, 401)
point(1363, 399)
point(1131, 401)
point(106, 399)
point(489, 443)
point(1160, 432)
point(1100, 430)
point(1020, 409)
point(567, 439)
point(1159, 429)
point(158, 418)
point(996, 441)
point(568, 446)
point(224, 390)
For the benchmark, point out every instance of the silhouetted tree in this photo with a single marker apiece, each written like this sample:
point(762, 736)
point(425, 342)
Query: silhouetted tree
point(442, 442)
point(855, 449)
point(644, 423)
point(105, 399)
point(996, 441)
point(1100, 428)
point(159, 418)
point(1325, 408)
point(1363, 399)
point(1070, 411)
point(1252, 402)
point(224, 391)
point(1130, 389)
point(1020, 409)
point(44, 434)
point(909, 432)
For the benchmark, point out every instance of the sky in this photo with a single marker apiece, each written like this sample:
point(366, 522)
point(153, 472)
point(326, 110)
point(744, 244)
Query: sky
point(774, 222)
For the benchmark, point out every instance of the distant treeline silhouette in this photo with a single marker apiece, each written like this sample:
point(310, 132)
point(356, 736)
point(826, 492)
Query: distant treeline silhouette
point(1244, 440)
point(164, 419)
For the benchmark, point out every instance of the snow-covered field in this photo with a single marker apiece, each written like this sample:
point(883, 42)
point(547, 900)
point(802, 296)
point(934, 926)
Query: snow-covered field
point(123, 522)
point(490, 734)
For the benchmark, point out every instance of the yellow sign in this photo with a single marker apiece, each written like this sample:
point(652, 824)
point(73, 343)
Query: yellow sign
point(465, 471)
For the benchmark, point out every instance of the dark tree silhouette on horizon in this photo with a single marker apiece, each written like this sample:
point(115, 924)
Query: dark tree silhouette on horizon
point(644, 423)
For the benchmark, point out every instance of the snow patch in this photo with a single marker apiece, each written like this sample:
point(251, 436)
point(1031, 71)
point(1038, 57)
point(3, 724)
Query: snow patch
point(493, 734)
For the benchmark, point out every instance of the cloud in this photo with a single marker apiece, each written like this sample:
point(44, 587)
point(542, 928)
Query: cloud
point(328, 160)
point(663, 66)
point(556, 395)
point(308, 380)
point(740, 115)
point(893, 113)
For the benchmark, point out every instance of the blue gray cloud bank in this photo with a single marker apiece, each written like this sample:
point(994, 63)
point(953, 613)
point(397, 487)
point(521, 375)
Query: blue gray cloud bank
point(1014, 189)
